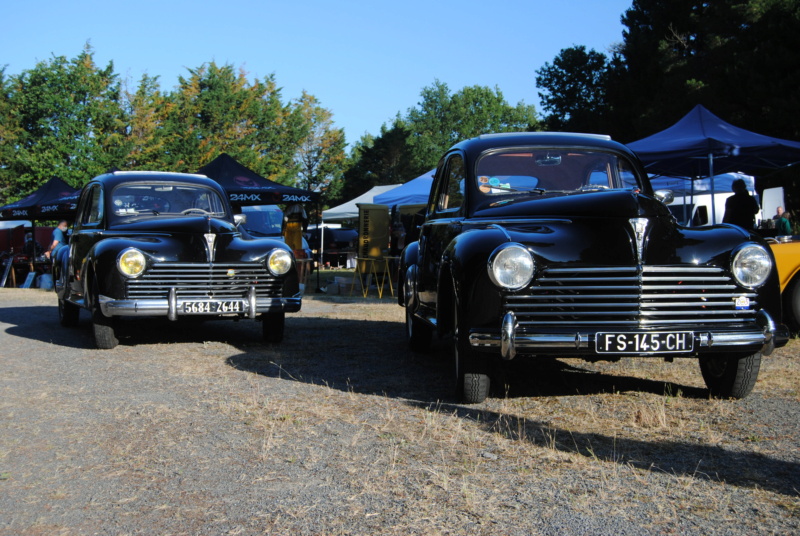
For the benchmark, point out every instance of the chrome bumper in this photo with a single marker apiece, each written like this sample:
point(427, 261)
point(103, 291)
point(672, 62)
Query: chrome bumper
point(766, 333)
point(172, 307)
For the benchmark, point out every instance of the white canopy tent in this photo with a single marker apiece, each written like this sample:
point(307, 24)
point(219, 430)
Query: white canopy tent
point(349, 210)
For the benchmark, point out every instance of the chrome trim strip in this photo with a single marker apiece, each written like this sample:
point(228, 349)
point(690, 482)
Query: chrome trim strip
point(112, 307)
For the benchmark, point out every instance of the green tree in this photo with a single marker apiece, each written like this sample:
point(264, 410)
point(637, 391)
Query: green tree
point(387, 159)
point(320, 154)
point(442, 119)
point(574, 91)
point(67, 121)
point(148, 110)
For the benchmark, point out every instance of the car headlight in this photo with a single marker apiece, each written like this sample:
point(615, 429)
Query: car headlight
point(751, 266)
point(131, 262)
point(511, 266)
point(279, 261)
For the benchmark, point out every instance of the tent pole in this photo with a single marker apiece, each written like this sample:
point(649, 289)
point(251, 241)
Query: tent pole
point(713, 193)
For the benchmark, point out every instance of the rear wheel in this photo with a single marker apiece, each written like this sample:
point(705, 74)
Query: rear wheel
point(730, 377)
point(471, 369)
point(272, 326)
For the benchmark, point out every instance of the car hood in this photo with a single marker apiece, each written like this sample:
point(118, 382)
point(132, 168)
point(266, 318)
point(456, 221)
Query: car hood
point(179, 225)
point(183, 240)
point(600, 228)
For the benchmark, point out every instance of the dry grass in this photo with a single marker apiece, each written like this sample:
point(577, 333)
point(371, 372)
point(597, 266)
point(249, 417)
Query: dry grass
point(341, 430)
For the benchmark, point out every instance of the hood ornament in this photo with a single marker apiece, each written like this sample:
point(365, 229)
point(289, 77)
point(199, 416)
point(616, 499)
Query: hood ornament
point(639, 229)
point(210, 240)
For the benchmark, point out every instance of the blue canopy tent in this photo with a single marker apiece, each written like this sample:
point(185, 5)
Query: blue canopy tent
point(701, 144)
point(414, 192)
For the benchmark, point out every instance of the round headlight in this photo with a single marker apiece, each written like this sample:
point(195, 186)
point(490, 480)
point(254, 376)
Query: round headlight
point(751, 266)
point(131, 262)
point(511, 267)
point(279, 261)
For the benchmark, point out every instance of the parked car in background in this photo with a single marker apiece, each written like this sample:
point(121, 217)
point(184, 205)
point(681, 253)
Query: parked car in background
point(556, 245)
point(166, 244)
point(336, 243)
point(787, 256)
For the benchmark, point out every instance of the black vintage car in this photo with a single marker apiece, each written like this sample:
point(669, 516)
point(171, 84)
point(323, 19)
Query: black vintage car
point(166, 244)
point(555, 245)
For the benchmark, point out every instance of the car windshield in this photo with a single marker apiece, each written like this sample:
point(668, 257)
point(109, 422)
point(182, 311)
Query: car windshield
point(541, 170)
point(165, 199)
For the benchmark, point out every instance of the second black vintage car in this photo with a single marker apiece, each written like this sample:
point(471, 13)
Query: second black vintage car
point(167, 244)
point(555, 245)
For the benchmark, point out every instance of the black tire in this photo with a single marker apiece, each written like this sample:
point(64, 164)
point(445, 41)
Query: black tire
point(471, 369)
point(272, 327)
point(730, 377)
point(103, 327)
point(68, 313)
point(418, 333)
point(792, 300)
point(105, 337)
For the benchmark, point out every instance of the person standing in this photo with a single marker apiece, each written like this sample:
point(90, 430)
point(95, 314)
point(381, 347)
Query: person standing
point(741, 208)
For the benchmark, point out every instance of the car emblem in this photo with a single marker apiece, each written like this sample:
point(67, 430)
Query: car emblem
point(210, 239)
point(639, 228)
point(231, 272)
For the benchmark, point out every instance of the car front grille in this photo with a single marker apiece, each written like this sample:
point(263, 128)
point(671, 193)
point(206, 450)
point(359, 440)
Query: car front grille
point(653, 296)
point(195, 281)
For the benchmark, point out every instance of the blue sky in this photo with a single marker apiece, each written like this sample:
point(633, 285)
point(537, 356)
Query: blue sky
point(364, 60)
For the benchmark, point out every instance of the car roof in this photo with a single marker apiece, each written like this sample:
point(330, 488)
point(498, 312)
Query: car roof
point(117, 177)
point(474, 146)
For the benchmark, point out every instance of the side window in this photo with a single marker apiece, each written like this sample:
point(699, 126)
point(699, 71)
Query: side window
point(451, 194)
point(93, 211)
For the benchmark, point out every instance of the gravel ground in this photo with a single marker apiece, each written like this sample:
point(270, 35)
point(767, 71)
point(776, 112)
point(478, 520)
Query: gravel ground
point(199, 428)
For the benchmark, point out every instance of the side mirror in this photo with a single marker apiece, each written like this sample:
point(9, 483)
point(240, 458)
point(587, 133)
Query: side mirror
point(665, 196)
point(239, 219)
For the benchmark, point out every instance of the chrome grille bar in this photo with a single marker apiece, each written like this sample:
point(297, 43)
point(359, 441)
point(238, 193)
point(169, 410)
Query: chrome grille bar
point(627, 296)
point(202, 280)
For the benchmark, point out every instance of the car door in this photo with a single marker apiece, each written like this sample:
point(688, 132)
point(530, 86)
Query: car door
point(445, 214)
point(86, 232)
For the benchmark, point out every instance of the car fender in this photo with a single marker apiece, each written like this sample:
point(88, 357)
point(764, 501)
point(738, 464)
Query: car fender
point(409, 259)
point(464, 278)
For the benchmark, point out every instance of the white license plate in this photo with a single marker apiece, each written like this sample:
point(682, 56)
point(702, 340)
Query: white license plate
point(663, 342)
point(210, 307)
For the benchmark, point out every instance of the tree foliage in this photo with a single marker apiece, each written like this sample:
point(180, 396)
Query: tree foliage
point(574, 90)
point(442, 119)
point(62, 118)
point(74, 120)
point(320, 155)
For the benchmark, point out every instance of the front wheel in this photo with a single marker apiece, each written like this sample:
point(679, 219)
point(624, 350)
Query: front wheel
point(272, 327)
point(68, 313)
point(730, 377)
point(103, 327)
point(471, 369)
point(105, 337)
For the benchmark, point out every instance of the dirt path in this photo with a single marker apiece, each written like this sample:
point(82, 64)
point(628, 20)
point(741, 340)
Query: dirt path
point(202, 429)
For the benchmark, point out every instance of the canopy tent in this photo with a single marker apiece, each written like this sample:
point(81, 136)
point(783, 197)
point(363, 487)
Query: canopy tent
point(701, 144)
point(54, 200)
point(349, 210)
point(414, 192)
point(246, 187)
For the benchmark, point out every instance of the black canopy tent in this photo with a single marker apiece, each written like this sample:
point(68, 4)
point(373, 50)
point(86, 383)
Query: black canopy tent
point(246, 187)
point(54, 200)
point(701, 145)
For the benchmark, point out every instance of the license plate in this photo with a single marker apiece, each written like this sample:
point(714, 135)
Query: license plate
point(664, 342)
point(209, 307)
